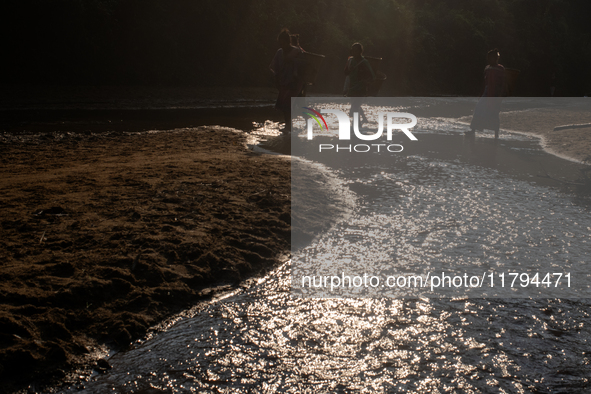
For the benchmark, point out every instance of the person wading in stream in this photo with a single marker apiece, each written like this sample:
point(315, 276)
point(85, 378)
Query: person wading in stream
point(486, 113)
point(288, 79)
point(360, 75)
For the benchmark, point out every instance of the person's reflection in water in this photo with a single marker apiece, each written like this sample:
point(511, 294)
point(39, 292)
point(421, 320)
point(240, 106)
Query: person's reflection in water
point(483, 153)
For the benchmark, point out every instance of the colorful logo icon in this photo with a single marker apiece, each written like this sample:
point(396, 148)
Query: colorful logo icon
point(315, 115)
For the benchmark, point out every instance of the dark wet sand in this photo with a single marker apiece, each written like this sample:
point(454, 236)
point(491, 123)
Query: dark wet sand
point(105, 235)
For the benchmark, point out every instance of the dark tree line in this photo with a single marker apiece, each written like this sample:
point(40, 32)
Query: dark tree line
point(428, 46)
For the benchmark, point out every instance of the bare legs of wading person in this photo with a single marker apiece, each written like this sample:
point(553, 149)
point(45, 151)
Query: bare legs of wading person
point(486, 116)
point(287, 117)
point(356, 107)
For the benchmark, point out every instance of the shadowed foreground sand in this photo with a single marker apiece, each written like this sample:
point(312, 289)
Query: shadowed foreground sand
point(104, 235)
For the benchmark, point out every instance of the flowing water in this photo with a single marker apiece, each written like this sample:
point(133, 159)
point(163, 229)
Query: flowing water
point(445, 201)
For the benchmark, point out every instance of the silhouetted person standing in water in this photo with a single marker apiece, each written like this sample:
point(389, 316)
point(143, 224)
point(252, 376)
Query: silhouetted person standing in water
point(300, 63)
point(360, 76)
point(288, 78)
point(486, 113)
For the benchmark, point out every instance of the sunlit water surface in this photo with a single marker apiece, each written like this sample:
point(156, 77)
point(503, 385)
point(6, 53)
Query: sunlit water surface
point(430, 207)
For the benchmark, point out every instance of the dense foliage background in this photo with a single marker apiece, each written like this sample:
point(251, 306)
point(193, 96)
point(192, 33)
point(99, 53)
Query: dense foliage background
point(428, 46)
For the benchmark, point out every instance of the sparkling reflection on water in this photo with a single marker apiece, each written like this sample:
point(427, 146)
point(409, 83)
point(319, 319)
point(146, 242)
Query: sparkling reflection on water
point(264, 340)
point(425, 217)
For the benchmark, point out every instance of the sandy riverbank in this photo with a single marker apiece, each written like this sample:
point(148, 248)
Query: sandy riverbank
point(104, 235)
point(569, 143)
